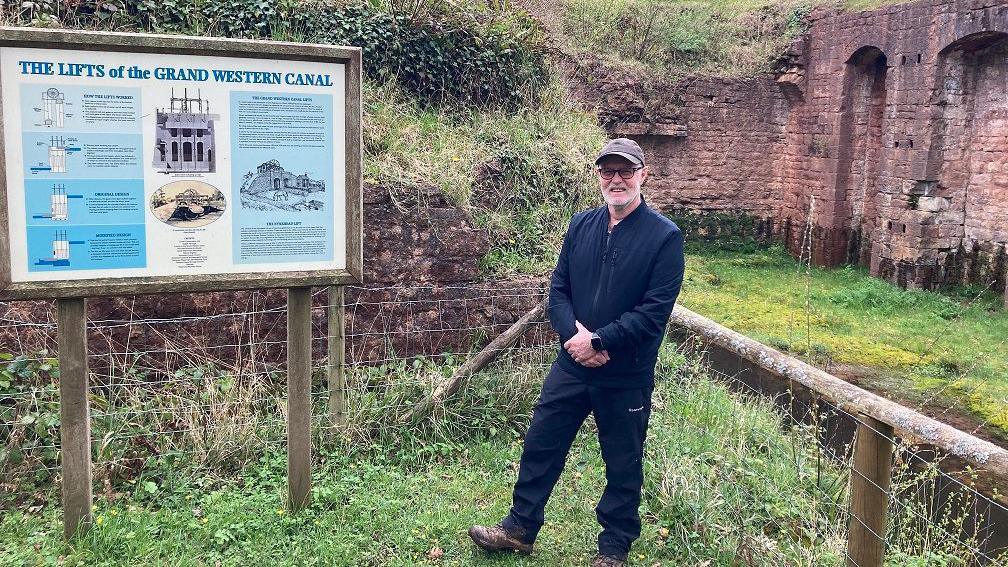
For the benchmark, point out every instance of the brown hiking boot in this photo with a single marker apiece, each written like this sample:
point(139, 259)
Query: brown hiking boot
point(496, 538)
point(607, 561)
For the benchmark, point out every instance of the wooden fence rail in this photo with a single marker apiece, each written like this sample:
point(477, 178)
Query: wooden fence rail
point(879, 422)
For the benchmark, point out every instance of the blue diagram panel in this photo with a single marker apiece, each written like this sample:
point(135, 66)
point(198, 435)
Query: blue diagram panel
point(89, 247)
point(75, 155)
point(83, 188)
point(81, 202)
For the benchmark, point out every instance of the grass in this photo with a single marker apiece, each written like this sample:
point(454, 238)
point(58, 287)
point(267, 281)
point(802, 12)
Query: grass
point(725, 485)
point(948, 348)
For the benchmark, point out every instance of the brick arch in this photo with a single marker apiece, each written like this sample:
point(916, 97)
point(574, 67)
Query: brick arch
point(964, 190)
point(973, 42)
point(859, 147)
point(949, 77)
point(865, 46)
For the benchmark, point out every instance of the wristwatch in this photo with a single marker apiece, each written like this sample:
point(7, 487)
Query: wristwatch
point(597, 342)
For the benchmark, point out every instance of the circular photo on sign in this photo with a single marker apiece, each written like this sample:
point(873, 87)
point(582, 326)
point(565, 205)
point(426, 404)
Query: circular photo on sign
point(187, 204)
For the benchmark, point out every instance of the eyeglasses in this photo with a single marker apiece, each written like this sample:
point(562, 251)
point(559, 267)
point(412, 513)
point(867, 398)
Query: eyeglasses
point(625, 173)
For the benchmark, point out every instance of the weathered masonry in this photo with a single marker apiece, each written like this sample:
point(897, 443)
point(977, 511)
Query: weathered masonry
point(893, 122)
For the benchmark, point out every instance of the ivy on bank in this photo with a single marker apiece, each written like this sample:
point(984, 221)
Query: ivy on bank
point(446, 56)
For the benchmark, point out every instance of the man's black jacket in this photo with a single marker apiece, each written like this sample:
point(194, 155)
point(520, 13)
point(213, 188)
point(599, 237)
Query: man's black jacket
point(622, 286)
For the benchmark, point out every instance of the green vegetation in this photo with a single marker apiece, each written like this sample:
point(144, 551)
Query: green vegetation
point(217, 420)
point(678, 38)
point(448, 56)
point(443, 54)
point(521, 174)
point(947, 346)
point(724, 481)
point(494, 47)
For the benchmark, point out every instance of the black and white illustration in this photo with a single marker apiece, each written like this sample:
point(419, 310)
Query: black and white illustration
point(184, 135)
point(188, 204)
point(271, 187)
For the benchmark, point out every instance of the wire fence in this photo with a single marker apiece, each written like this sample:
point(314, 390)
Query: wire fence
point(206, 377)
point(941, 511)
point(199, 382)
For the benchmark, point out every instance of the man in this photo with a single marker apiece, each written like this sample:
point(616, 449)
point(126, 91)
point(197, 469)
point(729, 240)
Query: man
point(616, 281)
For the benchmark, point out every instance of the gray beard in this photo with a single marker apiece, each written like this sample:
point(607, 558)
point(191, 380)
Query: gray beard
point(623, 206)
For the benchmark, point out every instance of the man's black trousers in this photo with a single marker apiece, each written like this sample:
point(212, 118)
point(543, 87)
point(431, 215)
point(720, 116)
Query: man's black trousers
point(622, 418)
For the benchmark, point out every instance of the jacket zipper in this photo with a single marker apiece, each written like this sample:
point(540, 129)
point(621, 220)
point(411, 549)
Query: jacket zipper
point(603, 276)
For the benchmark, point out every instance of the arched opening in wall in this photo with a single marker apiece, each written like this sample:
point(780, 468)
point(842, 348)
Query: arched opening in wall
point(861, 132)
point(967, 189)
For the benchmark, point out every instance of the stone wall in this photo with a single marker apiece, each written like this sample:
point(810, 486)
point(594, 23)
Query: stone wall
point(888, 127)
point(701, 169)
point(711, 143)
point(915, 138)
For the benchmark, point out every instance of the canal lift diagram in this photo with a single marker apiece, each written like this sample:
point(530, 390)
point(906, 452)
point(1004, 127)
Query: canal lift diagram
point(58, 150)
point(53, 108)
point(59, 204)
point(60, 251)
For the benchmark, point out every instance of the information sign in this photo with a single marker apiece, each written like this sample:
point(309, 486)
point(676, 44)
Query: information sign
point(148, 164)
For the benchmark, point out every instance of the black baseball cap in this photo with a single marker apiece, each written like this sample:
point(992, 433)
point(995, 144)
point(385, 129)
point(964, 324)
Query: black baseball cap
point(623, 147)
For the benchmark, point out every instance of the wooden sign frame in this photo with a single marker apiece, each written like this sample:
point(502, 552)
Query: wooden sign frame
point(350, 57)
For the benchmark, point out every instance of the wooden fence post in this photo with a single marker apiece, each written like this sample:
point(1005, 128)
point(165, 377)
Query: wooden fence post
point(871, 479)
point(75, 418)
point(299, 356)
point(336, 376)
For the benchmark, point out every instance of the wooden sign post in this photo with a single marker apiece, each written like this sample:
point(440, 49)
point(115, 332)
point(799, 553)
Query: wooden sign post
point(337, 349)
point(75, 420)
point(299, 354)
point(145, 164)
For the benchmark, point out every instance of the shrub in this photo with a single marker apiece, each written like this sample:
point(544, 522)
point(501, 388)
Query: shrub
point(442, 58)
point(444, 55)
point(521, 174)
point(29, 422)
